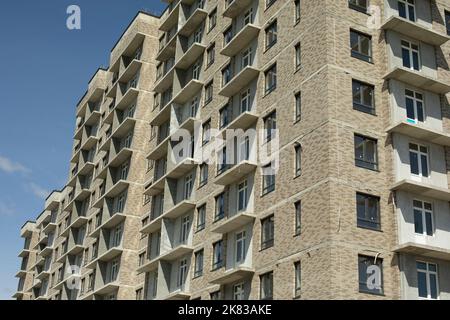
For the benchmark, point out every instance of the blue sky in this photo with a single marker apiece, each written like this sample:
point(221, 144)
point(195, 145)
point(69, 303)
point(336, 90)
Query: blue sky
point(45, 70)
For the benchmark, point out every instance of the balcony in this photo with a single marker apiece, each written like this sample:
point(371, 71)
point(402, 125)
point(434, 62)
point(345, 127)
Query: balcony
point(186, 165)
point(121, 131)
point(232, 173)
point(24, 253)
point(149, 265)
point(423, 251)
point(93, 118)
point(233, 275)
point(416, 79)
point(234, 222)
point(153, 225)
point(108, 255)
point(171, 20)
point(165, 81)
point(177, 252)
point(193, 22)
point(161, 149)
point(116, 161)
point(415, 31)
point(107, 288)
point(51, 226)
point(243, 121)
point(190, 56)
point(47, 250)
point(239, 81)
point(117, 188)
point(235, 7)
point(420, 132)
point(127, 99)
point(80, 220)
point(188, 91)
point(179, 209)
point(156, 187)
point(241, 40)
point(423, 189)
point(167, 49)
point(113, 221)
point(180, 294)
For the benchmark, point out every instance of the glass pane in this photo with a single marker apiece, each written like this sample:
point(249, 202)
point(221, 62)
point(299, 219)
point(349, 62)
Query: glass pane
point(406, 59)
point(428, 220)
point(416, 61)
point(433, 286)
point(418, 224)
point(420, 116)
point(422, 284)
point(401, 9)
point(424, 162)
point(414, 162)
point(410, 109)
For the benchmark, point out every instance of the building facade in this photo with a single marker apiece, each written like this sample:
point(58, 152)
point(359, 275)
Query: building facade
point(347, 102)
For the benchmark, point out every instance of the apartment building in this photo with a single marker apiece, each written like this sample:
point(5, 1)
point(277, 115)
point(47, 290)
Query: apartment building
point(351, 200)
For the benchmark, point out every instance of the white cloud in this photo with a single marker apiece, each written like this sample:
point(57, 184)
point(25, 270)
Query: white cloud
point(38, 191)
point(10, 166)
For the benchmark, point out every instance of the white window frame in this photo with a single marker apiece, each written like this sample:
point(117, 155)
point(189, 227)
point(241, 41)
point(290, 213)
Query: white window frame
point(242, 194)
point(415, 97)
point(245, 101)
point(239, 291)
point(247, 55)
point(248, 16)
point(411, 50)
point(240, 241)
point(408, 4)
point(424, 211)
point(428, 280)
point(188, 185)
point(184, 229)
point(182, 273)
point(419, 159)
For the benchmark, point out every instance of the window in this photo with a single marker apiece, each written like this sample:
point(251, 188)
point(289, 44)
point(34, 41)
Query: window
point(201, 218)
point(184, 231)
point(267, 232)
point(226, 75)
point(196, 70)
point(248, 16)
point(363, 97)
point(298, 218)
point(270, 126)
point(220, 207)
point(427, 280)
point(224, 118)
point(298, 56)
point(212, 19)
point(423, 218)
point(116, 237)
point(410, 55)
point(203, 174)
point(418, 160)
point(182, 272)
point(227, 36)
point(266, 286)
point(269, 3)
point(217, 255)
point(370, 275)
point(242, 196)
point(198, 35)
point(298, 106)
point(188, 184)
point(358, 5)
point(271, 35)
point(298, 160)
point(361, 46)
point(268, 179)
point(414, 106)
point(366, 152)
point(124, 171)
point(245, 100)
point(240, 246)
point(209, 89)
point(206, 132)
point(238, 290)
point(297, 11)
point(215, 295)
point(246, 57)
point(244, 149)
point(368, 211)
point(210, 54)
point(198, 271)
point(139, 294)
point(114, 271)
point(447, 21)
point(298, 278)
point(406, 9)
point(271, 79)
